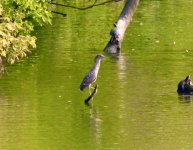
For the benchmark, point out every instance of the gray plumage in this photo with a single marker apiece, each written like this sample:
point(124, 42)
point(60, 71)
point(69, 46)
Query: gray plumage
point(91, 76)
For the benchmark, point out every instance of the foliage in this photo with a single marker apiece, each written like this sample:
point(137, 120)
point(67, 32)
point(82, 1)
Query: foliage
point(17, 20)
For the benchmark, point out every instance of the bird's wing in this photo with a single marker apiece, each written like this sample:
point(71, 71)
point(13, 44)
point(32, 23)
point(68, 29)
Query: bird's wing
point(88, 79)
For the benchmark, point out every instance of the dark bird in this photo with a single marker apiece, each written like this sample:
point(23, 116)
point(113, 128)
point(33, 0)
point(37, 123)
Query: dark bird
point(91, 76)
point(185, 86)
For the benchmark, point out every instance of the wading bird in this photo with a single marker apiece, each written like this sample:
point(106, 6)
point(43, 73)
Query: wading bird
point(91, 76)
point(185, 86)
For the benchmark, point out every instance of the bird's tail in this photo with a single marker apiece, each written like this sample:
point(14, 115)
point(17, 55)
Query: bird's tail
point(82, 87)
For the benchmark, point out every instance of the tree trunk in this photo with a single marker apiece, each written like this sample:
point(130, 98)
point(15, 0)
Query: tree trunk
point(120, 26)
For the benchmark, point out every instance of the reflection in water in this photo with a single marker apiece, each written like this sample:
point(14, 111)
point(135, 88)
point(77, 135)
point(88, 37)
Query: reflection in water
point(122, 81)
point(2, 99)
point(95, 123)
point(186, 98)
point(2, 69)
point(122, 67)
point(138, 87)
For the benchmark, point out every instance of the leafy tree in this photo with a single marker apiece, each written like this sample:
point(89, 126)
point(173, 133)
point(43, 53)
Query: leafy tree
point(17, 20)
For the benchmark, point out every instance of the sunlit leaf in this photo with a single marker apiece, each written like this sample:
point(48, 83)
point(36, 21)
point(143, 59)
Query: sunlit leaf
point(16, 26)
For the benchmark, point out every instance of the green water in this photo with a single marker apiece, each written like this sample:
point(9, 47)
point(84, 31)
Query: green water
point(136, 107)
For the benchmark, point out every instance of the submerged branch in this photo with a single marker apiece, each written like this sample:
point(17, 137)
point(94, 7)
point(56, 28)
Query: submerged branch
point(84, 8)
point(91, 96)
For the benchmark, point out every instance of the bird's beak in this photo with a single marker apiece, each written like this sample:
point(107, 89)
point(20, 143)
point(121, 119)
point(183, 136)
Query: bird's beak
point(103, 57)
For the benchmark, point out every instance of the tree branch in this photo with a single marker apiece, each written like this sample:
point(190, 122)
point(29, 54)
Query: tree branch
point(84, 8)
point(55, 12)
point(91, 96)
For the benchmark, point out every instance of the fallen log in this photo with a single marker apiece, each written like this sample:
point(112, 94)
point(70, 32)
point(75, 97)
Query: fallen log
point(120, 26)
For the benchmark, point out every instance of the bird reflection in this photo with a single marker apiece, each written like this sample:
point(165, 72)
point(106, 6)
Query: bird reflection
point(95, 123)
point(186, 98)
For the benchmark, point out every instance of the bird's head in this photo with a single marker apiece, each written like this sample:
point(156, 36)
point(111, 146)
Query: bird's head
point(99, 57)
point(188, 80)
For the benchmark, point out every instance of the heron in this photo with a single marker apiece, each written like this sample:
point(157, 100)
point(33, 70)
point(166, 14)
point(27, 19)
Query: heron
point(91, 76)
point(185, 86)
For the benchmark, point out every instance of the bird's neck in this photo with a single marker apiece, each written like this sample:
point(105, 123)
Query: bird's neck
point(96, 65)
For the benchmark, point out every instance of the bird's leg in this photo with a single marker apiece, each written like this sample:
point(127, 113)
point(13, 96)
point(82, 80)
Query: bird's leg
point(89, 89)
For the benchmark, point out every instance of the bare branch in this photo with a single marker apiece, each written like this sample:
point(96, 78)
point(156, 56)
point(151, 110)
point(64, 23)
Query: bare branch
point(84, 8)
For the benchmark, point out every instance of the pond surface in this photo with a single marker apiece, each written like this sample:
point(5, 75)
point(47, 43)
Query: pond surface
point(136, 107)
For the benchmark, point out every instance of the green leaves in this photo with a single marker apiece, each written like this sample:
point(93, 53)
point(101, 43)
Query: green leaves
point(17, 20)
